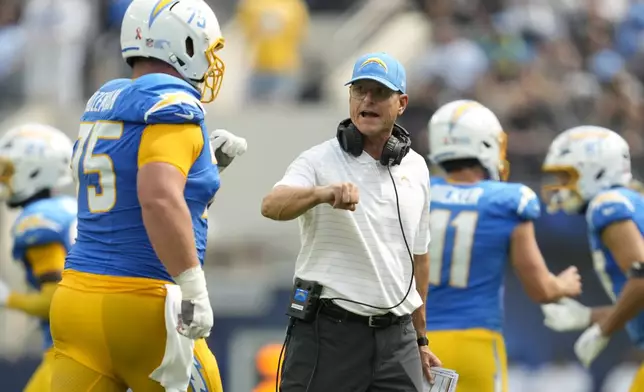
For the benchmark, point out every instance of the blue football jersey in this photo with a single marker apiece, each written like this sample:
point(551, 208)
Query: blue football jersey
point(112, 239)
point(471, 228)
point(608, 207)
point(40, 223)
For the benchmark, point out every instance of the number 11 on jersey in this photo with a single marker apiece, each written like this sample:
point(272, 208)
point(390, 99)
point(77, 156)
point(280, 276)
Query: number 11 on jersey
point(456, 228)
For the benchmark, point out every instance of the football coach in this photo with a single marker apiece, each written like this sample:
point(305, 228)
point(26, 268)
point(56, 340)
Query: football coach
point(362, 201)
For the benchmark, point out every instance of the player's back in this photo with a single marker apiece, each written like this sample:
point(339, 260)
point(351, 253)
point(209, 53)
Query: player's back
point(119, 121)
point(609, 207)
point(471, 227)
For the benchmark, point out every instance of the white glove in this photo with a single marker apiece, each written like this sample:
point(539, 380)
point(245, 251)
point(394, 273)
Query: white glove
point(196, 318)
point(230, 144)
point(590, 344)
point(566, 315)
point(4, 293)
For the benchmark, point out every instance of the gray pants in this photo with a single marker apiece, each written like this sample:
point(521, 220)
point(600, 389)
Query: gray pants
point(348, 356)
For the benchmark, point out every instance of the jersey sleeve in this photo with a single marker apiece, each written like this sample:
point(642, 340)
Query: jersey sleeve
point(168, 100)
point(607, 208)
point(177, 144)
point(47, 258)
point(300, 173)
point(528, 206)
point(36, 229)
point(518, 201)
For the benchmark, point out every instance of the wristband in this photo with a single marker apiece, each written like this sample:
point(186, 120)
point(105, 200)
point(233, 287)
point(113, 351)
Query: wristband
point(192, 282)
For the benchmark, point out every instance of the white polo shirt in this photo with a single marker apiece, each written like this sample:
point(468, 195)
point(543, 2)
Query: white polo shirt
point(361, 255)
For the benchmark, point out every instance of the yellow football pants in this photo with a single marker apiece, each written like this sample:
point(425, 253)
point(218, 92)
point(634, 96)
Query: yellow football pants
point(40, 381)
point(477, 355)
point(638, 381)
point(109, 334)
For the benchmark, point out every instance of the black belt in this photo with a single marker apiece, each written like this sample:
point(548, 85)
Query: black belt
point(380, 321)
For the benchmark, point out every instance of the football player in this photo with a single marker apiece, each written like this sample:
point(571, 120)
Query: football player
point(145, 174)
point(478, 222)
point(589, 170)
point(34, 163)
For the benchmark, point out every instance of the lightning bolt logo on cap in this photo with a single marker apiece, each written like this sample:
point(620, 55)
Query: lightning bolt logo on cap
point(382, 68)
point(374, 60)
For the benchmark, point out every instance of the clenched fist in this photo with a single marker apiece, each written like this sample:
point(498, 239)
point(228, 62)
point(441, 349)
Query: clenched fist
point(343, 195)
point(570, 281)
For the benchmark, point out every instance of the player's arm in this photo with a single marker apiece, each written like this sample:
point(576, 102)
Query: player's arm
point(626, 244)
point(295, 194)
point(599, 313)
point(538, 282)
point(169, 147)
point(612, 218)
point(166, 154)
point(47, 263)
point(610, 214)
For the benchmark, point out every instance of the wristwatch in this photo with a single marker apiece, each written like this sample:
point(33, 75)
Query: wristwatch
point(422, 341)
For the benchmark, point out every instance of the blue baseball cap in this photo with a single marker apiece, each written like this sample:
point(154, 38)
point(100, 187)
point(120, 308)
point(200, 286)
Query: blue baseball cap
point(382, 68)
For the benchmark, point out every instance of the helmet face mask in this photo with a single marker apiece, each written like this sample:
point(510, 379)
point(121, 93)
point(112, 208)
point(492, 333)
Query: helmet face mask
point(7, 171)
point(582, 162)
point(466, 129)
point(559, 189)
point(185, 34)
point(214, 76)
point(33, 158)
point(504, 164)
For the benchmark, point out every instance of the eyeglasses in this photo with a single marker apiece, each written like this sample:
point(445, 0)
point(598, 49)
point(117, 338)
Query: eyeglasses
point(378, 92)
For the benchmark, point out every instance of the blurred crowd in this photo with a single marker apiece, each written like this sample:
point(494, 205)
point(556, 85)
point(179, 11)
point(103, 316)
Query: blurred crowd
point(541, 65)
point(60, 51)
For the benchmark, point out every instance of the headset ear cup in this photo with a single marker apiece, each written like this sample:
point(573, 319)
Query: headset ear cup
point(388, 152)
point(396, 148)
point(349, 138)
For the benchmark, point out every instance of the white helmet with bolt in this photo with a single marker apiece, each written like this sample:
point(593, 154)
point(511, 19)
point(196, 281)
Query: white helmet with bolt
point(33, 158)
point(583, 161)
point(183, 33)
point(465, 129)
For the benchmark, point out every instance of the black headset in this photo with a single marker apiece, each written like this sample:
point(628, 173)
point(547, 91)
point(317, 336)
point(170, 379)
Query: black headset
point(352, 142)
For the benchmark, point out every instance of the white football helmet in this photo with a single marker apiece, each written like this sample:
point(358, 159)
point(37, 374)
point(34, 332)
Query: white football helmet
point(582, 162)
point(466, 129)
point(33, 157)
point(182, 33)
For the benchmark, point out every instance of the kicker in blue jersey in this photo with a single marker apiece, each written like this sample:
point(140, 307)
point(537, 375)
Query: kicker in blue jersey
point(471, 227)
point(112, 238)
point(606, 208)
point(44, 222)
